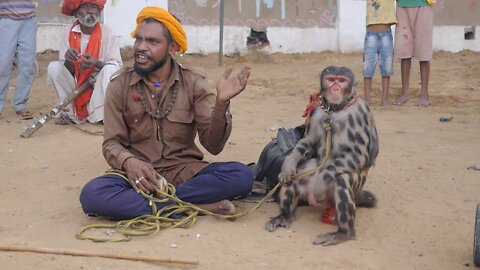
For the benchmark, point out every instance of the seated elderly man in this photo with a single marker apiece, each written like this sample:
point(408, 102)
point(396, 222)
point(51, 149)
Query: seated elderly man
point(87, 49)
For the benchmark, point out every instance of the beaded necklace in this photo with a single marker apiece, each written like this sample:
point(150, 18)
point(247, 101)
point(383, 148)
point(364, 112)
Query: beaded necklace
point(157, 114)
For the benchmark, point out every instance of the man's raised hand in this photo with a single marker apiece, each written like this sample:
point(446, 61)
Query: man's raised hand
point(228, 88)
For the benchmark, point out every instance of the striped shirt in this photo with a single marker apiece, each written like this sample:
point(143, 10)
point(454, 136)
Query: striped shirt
point(17, 9)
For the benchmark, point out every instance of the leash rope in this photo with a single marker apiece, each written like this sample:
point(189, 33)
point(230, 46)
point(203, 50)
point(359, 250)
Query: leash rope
point(96, 133)
point(160, 219)
point(328, 145)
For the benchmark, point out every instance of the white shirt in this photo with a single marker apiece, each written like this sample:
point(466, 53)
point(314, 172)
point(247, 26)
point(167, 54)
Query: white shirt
point(109, 50)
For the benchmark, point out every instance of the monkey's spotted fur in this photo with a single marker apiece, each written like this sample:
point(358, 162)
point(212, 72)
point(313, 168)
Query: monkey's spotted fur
point(354, 148)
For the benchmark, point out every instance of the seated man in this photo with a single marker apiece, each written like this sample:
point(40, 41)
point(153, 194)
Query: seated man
point(87, 49)
point(153, 112)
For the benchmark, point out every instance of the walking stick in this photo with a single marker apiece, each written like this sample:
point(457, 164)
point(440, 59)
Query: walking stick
point(91, 254)
point(31, 128)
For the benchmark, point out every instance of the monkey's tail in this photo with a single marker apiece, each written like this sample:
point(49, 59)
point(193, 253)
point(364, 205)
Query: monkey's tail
point(366, 199)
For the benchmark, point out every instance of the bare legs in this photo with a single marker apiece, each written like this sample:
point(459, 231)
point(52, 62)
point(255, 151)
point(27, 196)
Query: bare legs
point(367, 84)
point(424, 76)
point(405, 71)
point(386, 88)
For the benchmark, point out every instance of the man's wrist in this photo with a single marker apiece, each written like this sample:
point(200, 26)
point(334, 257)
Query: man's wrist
point(99, 65)
point(223, 103)
point(124, 165)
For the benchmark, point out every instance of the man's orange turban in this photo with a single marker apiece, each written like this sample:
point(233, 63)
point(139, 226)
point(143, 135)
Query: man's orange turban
point(69, 6)
point(168, 21)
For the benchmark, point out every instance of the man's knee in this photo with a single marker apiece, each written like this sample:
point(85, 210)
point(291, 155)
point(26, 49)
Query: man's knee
point(56, 69)
point(245, 178)
point(107, 71)
point(57, 73)
point(87, 196)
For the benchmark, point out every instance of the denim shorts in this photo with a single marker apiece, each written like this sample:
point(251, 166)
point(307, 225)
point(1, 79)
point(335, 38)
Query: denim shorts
point(378, 45)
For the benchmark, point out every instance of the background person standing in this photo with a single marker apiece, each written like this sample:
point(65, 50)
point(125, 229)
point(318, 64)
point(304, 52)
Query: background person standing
point(378, 46)
point(413, 38)
point(18, 29)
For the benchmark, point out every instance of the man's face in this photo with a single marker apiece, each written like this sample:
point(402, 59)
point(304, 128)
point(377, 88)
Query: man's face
point(151, 48)
point(88, 14)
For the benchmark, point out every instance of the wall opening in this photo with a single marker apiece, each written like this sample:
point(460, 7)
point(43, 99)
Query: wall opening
point(257, 38)
point(470, 33)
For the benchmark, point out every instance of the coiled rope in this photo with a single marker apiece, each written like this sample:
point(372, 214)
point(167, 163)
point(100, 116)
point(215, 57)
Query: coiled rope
point(160, 219)
point(163, 218)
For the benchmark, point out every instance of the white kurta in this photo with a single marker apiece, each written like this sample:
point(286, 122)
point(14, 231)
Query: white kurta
point(64, 83)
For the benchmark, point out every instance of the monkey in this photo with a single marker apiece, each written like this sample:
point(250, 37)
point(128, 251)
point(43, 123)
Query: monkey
point(328, 167)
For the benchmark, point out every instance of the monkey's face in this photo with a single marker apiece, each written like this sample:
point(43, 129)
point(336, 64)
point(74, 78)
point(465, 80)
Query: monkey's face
point(337, 88)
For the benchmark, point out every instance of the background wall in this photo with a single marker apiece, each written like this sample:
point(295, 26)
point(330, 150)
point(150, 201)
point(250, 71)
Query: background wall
point(293, 26)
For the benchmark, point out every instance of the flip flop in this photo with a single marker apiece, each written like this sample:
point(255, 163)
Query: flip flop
point(24, 114)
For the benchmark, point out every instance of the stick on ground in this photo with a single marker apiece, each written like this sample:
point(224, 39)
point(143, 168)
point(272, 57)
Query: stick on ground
point(91, 254)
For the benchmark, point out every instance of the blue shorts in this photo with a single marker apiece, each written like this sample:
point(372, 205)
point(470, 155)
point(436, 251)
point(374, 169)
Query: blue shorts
point(378, 45)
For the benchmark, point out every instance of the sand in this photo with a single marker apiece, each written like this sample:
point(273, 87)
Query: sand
point(427, 195)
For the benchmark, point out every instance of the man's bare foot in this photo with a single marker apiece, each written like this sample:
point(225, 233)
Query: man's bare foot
point(401, 100)
point(423, 102)
point(386, 103)
point(223, 207)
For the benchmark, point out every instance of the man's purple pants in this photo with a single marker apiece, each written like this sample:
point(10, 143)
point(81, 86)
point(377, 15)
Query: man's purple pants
point(113, 197)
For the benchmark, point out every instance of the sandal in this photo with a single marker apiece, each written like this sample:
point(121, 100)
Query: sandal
point(63, 120)
point(24, 114)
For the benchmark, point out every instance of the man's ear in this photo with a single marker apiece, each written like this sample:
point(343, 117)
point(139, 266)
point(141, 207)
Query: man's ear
point(173, 48)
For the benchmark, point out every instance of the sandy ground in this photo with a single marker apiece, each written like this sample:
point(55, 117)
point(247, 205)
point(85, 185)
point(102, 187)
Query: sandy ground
point(427, 197)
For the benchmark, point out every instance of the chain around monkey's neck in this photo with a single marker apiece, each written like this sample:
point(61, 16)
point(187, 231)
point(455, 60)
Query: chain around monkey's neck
point(328, 107)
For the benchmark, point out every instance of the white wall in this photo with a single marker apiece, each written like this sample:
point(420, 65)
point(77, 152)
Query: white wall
point(351, 25)
point(345, 38)
point(120, 16)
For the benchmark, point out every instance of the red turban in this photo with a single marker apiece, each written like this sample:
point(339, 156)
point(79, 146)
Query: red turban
point(69, 6)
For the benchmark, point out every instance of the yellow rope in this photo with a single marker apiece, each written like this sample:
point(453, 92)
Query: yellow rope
point(162, 218)
point(328, 148)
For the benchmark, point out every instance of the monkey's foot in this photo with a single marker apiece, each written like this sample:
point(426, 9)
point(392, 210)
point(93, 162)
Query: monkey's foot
point(331, 239)
point(278, 221)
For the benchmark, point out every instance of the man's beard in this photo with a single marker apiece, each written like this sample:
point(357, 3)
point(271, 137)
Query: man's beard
point(155, 66)
point(88, 20)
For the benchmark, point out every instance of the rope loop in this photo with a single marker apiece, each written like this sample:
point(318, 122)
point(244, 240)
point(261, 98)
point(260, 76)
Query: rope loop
point(180, 215)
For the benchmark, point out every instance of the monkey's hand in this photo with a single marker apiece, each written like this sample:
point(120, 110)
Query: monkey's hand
point(289, 169)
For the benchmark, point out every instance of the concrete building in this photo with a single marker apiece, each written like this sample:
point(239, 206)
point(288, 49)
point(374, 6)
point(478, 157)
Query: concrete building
point(299, 26)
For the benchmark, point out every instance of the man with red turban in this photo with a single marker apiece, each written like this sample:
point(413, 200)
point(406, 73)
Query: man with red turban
point(87, 49)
